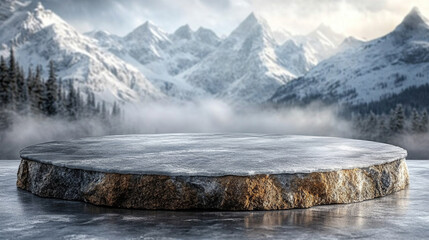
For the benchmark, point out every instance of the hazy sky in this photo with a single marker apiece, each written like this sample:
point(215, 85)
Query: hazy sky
point(361, 18)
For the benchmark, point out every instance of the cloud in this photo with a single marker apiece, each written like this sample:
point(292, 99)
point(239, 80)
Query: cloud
point(364, 18)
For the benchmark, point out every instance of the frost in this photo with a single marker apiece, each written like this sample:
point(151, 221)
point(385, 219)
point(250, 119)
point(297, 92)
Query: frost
point(213, 154)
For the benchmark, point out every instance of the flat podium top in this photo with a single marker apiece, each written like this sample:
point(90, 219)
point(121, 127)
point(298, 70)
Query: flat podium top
point(212, 154)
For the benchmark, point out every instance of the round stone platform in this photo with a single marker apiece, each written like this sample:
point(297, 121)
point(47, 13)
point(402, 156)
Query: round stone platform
point(213, 171)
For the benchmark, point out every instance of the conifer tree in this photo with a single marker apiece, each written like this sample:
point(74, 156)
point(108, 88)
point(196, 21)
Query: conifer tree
point(37, 93)
point(371, 126)
point(116, 110)
point(415, 121)
point(13, 86)
point(79, 104)
point(103, 110)
point(384, 131)
point(60, 99)
point(424, 122)
point(397, 119)
point(29, 81)
point(90, 104)
point(71, 105)
point(4, 95)
point(51, 92)
point(22, 95)
point(4, 83)
point(98, 109)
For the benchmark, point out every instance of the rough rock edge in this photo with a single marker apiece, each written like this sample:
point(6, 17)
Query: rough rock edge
point(258, 192)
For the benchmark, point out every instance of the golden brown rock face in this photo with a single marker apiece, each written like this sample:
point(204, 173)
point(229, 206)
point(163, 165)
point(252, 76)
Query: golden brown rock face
point(258, 192)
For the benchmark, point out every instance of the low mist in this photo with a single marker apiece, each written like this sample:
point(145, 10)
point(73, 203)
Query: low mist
point(204, 116)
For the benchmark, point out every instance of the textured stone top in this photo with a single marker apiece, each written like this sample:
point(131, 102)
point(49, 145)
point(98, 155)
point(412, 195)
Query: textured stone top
point(213, 154)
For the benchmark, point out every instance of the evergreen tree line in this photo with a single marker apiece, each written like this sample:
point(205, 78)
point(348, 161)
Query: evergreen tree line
point(385, 127)
point(30, 94)
point(412, 97)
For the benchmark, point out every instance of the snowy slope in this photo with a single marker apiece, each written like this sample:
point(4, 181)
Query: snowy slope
point(369, 71)
point(8, 7)
point(189, 48)
point(146, 43)
point(244, 67)
point(348, 43)
point(281, 36)
point(39, 35)
point(315, 47)
point(247, 66)
point(161, 56)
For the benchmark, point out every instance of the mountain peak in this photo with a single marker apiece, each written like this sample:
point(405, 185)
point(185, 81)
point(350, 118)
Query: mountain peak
point(414, 19)
point(207, 36)
point(184, 32)
point(147, 31)
point(252, 23)
point(254, 18)
point(148, 24)
point(324, 28)
point(325, 32)
point(251, 17)
point(40, 6)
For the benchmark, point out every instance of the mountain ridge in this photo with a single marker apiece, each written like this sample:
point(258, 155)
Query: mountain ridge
point(370, 71)
point(39, 36)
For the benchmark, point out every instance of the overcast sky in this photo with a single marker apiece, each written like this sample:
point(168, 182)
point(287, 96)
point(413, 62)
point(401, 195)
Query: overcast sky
point(360, 18)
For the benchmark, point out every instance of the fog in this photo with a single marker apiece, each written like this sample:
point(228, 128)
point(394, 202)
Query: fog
point(205, 116)
point(415, 144)
point(209, 116)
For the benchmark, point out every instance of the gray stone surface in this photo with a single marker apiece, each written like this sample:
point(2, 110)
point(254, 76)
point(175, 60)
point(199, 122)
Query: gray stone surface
point(213, 171)
point(213, 154)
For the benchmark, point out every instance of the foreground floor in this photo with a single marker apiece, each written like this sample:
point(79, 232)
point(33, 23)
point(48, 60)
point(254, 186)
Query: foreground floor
point(402, 215)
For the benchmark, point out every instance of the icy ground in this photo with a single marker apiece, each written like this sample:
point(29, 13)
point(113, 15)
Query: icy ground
point(213, 154)
point(403, 215)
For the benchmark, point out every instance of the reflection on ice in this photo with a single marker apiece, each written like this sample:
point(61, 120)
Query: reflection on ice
point(336, 216)
point(401, 215)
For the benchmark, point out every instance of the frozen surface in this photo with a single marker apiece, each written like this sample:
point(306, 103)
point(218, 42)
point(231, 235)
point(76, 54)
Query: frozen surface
point(213, 154)
point(403, 215)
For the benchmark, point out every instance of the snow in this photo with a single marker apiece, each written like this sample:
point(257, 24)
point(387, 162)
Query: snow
point(213, 154)
point(238, 70)
point(316, 46)
point(281, 35)
point(249, 65)
point(161, 57)
point(151, 64)
point(39, 36)
point(369, 71)
point(8, 7)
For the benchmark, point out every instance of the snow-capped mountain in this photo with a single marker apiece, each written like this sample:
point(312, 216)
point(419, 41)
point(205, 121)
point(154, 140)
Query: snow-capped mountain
point(146, 43)
point(8, 7)
point(247, 66)
point(281, 35)
point(149, 63)
point(189, 48)
point(318, 45)
point(301, 53)
point(161, 56)
point(370, 71)
point(350, 42)
point(244, 67)
point(39, 36)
